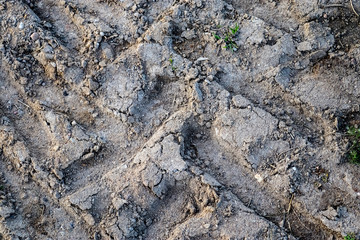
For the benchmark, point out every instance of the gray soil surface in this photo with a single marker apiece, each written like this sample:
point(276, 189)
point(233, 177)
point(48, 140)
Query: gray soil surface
point(130, 119)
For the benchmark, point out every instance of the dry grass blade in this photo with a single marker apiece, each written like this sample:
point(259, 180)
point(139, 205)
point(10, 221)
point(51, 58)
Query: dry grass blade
point(290, 203)
point(352, 7)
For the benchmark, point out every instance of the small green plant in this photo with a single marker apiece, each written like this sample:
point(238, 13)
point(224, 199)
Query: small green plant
point(354, 150)
point(217, 37)
point(228, 37)
point(235, 29)
point(171, 60)
point(350, 236)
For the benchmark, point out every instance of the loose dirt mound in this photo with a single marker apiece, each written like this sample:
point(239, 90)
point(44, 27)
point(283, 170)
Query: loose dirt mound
point(178, 119)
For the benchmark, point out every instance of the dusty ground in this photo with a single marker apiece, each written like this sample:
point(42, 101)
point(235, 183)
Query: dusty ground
point(128, 119)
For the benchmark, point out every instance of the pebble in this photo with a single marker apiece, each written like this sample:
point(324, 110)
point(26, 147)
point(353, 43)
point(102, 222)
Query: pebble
point(58, 173)
point(23, 80)
point(304, 46)
point(192, 74)
point(102, 63)
point(259, 178)
point(48, 49)
point(88, 156)
point(21, 25)
point(35, 36)
point(118, 203)
point(84, 63)
point(198, 93)
point(57, 195)
point(210, 180)
point(96, 148)
point(23, 195)
point(89, 219)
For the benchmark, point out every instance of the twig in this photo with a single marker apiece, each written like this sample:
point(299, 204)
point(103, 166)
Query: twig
point(289, 225)
point(333, 5)
point(340, 5)
point(352, 7)
point(249, 203)
point(24, 104)
point(290, 203)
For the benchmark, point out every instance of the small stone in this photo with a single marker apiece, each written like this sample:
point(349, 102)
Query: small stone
point(304, 46)
point(89, 219)
point(23, 195)
point(49, 56)
point(93, 85)
point(196, 170)
point(97, 236)
point(192, 74)
point(88, 156)
point(240, 101)
point(23, 80)
point(48, 49)
point(118, 203)
point(21, 25)
point(107, 51)
point(330, 213)
point(282, 125)
point(210, 180)
point(283, 77)
point(259, 178)
point(197, 92)
point(86, 91)
point(34, 36)
point(39, 81)
point(84, 63)
point(48, 25)
point(57, 195)
point(189, 34)
point(96, 148)
point(58, 173)
point(102, 63)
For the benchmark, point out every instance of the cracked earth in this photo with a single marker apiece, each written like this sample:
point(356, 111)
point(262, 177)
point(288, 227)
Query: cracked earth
point(130, 119)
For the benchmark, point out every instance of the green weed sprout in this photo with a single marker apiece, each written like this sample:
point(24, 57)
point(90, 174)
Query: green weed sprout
point(228, 36)
point(354, 150)
point(171, 60)
point(235, 29)
point(350, 236)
